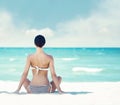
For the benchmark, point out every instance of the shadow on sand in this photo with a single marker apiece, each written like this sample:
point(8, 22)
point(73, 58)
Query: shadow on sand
point(76, 93)
point(71, 92)
point(6, 92)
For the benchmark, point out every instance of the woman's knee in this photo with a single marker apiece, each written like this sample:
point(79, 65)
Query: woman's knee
point(59, 78)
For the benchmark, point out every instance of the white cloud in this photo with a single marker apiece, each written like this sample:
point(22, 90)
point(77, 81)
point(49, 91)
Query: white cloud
point(47, 32)
point(11, 35)
point(101, 28)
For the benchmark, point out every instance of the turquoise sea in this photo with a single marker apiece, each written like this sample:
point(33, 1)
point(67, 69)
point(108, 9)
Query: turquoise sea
point(73, 64)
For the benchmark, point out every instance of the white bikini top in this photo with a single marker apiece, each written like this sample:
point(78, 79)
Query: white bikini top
point(39, 68)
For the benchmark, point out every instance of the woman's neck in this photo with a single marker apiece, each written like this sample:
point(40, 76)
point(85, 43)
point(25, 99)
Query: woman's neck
point(39, 50)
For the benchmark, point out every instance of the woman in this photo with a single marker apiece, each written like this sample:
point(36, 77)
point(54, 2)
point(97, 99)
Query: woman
point(40, 63)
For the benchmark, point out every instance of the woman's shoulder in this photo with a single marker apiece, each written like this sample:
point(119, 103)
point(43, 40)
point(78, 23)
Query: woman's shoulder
point(50, 56)
point(30, 56)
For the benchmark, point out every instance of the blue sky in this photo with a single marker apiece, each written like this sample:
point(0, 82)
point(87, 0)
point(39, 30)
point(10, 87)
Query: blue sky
point(65, 23)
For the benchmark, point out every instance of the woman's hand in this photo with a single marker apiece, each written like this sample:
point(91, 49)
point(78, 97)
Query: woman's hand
point(60, 91)
point(16, 92)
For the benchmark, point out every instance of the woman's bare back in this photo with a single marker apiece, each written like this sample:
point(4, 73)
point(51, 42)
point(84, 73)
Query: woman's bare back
point(38, 62)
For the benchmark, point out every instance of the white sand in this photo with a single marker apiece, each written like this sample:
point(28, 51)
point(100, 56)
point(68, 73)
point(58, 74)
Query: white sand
point(82, 93)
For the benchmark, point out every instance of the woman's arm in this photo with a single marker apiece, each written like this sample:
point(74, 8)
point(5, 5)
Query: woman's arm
point(54, 76)
point(24, 75)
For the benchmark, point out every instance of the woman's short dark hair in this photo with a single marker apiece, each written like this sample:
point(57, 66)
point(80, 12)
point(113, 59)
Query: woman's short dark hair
point(39, 41)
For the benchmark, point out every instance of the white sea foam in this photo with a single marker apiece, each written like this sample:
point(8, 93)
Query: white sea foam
point(86, 69)
point(12, 69)
point(12, 59)
point(69, 59)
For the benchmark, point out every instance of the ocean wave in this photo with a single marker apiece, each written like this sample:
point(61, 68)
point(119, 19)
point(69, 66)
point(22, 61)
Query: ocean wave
point(12, 70)
point(86, 69)
point(69, 59)
point(12, 59)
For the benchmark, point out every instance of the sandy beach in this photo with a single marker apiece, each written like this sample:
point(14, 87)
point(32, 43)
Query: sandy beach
point(80, 93)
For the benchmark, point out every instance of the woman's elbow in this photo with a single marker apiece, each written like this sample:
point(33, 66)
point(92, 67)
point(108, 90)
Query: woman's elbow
point(24, 75)
point(54, 76)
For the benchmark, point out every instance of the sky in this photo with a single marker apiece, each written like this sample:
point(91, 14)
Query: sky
point(64, 23)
